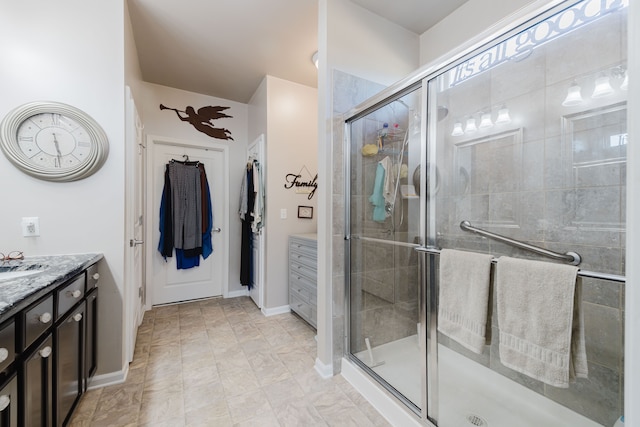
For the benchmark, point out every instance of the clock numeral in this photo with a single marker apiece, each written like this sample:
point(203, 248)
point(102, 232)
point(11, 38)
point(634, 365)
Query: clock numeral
point(56, 162)
point(55, 119)
point(26, 138)
point(84, 144)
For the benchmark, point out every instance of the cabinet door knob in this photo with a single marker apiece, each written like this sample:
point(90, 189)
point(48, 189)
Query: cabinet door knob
point(4, 402)
point(45, 317)
point(76, 294)
point(45, 352)
point(96, 276)
point(77, 317)
point(4, 354)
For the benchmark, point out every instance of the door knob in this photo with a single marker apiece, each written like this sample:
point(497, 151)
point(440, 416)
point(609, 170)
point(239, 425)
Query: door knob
point(135, 242)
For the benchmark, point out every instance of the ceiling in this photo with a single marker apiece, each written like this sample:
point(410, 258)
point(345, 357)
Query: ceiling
point(224, 48)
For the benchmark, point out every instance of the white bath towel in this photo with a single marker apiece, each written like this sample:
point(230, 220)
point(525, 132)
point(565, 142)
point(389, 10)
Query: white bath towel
point(540, 320)
point(464, 297)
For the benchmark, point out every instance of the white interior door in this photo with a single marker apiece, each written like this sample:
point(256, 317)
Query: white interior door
point(167, 283)
point(256, 150)
point(134, 296)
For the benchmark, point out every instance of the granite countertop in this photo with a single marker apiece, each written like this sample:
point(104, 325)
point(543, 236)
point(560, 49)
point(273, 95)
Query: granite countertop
point(52, 270)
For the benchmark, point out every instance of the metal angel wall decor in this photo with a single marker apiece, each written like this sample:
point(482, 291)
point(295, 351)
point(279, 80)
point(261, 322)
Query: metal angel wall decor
point(202, 119)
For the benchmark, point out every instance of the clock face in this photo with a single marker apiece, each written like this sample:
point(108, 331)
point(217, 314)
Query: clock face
point(53, 141)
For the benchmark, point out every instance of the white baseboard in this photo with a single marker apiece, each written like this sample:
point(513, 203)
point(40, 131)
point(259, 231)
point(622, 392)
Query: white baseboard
point(325, 371)
point(112, 378)
point(392, 410)
point(236, 294)
point(276, 310)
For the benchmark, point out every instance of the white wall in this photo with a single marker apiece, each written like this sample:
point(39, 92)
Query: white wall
point(258, 112)
point(469, 20)
point(165, 123)
point(132, 72)
point(69, 51)
point(286, 113)
point(367, 45)
point(291, 144)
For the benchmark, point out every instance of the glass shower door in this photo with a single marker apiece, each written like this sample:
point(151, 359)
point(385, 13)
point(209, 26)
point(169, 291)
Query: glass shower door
point(383, 230)
point(534, 148)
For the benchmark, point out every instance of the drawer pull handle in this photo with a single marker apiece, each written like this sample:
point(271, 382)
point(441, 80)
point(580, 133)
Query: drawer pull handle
point(4, 402)
point(45, 317)
point(96, 276)
point(4, 354)
point(77, 317)
point(45, 352)
point(76, 294)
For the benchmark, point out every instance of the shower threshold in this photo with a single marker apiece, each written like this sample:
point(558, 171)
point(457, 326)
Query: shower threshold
point(468, 390)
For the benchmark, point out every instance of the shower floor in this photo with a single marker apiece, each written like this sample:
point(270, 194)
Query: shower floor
point(468, 389)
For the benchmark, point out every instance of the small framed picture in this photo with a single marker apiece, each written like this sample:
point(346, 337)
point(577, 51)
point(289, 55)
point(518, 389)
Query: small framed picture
point(305, 211)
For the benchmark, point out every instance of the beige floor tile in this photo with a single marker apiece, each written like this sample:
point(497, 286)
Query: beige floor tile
point(295, 359)
point(283, 391)
point(297, 413)
point(265, 420)
point(196, 397)
point(117, 417)
point(159, 406)
point(239, 381)
point(218, 363)
point(253, 345)
point(216, 413)
point(249, 405)
point(195, 376)
point(119, 396)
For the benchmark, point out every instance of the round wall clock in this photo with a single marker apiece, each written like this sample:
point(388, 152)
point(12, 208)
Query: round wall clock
point(53, 141)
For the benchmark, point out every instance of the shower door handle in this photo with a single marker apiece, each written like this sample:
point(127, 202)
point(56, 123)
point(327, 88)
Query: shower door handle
point(429, 333)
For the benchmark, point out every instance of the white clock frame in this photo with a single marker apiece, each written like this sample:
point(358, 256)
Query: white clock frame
point(11, 148)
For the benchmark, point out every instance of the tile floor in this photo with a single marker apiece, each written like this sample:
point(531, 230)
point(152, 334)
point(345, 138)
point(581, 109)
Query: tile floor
point(220, 362)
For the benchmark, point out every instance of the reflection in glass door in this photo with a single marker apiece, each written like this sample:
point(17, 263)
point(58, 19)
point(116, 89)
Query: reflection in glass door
point(384, 229)
point(534, 148)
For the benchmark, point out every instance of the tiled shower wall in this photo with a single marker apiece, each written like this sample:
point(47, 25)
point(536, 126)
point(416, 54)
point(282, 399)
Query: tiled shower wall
point(541, 181)
point(348, 91)
point(554, 177)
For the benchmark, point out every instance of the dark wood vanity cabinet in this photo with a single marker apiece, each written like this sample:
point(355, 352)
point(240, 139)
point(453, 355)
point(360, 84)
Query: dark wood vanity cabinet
point(48, 354)
point(9, 402)
point(69, 353)
point(37, 375)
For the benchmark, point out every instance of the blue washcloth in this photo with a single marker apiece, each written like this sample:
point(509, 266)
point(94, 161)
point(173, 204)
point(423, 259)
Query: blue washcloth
point(377, 198)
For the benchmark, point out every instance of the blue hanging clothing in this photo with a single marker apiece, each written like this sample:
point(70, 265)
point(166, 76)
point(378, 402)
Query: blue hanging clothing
point(377, 198)
point(207, 244)
point(203, 217)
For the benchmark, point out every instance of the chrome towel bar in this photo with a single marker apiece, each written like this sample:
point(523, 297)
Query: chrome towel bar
point(582, 273)
point(570, 257)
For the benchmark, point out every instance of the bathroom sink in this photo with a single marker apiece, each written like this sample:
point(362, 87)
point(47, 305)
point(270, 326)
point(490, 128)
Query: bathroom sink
point(11, 272)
